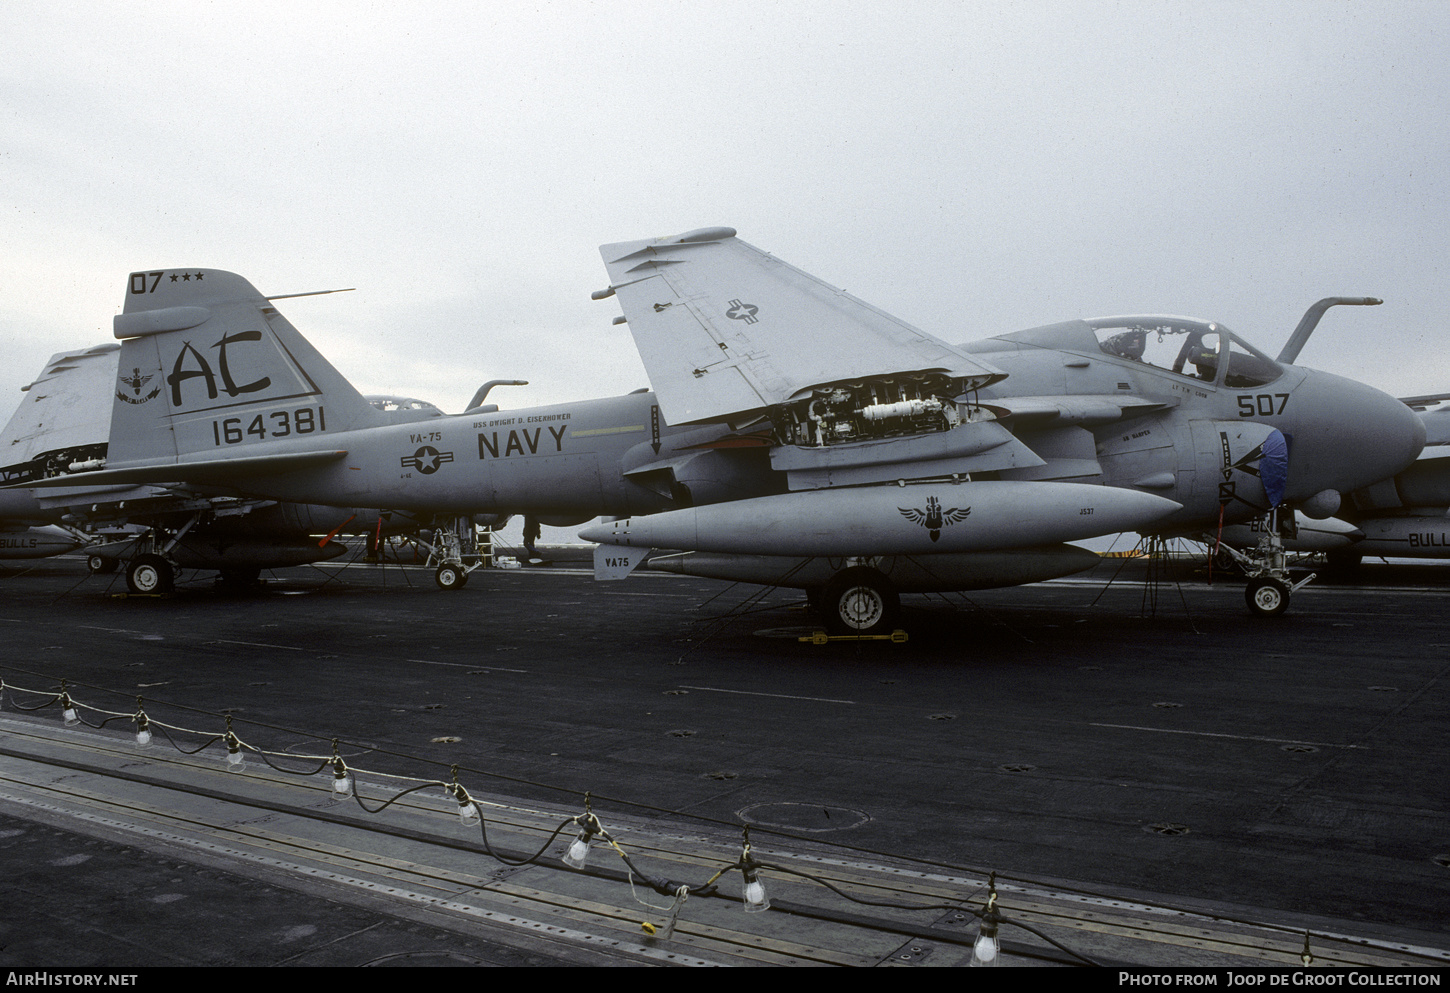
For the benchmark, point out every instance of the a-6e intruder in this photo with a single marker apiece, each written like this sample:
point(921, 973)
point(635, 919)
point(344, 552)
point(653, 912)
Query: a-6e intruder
point(915, 465)
point(220, 397)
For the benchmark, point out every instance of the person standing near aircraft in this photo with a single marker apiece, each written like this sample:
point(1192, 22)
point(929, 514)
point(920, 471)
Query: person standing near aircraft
point(531, 535)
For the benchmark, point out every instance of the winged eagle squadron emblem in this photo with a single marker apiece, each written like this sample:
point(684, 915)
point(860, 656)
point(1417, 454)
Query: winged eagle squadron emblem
point(136, 380)
point(933, 518)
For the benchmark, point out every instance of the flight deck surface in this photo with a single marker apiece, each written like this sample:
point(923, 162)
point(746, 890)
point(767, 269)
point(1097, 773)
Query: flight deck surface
point(1156, 777)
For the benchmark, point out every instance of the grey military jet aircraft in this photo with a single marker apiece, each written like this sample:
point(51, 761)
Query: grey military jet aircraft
point(1404, 516)
point(220, 396)
point(897, 447)
point(218, 399)
point(61, 428)
point(1409, 514)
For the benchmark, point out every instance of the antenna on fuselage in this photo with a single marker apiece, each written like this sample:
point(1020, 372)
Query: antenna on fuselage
point(314, 293)
point(483, 391)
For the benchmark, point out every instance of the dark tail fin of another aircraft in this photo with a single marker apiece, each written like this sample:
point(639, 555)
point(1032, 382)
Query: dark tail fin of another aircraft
point(209, 368)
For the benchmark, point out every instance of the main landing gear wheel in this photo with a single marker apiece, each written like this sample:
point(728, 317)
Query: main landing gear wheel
point(450, 577)
point(1267, 597)
point(149, 574)
point(99, 564)
point(860, 601)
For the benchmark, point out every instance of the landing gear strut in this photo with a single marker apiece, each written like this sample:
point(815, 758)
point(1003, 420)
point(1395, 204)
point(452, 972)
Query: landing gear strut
point(456, 551)
point(1270, 588)
point(151, 572)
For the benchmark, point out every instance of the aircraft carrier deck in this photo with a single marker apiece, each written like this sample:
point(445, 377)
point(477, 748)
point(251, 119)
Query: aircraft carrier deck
point(1157, 778)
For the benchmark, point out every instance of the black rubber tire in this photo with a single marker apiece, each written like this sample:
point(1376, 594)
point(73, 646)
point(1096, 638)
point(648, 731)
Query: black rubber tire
point(860, 601)
point(150, 574)
point(1266, 597)
point(450, 577)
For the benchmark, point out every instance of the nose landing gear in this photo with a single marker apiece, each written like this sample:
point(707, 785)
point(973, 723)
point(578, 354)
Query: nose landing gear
point(1270, 586)
point(1267, 596)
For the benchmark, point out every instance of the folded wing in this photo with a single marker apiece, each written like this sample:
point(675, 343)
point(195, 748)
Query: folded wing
point(726, 330)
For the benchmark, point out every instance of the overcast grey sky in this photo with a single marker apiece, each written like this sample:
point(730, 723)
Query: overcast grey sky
point(971, 167)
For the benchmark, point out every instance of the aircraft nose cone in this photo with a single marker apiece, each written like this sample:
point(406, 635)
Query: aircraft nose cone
point(1420, 439)
point(1352, 436)
point(1404, 433)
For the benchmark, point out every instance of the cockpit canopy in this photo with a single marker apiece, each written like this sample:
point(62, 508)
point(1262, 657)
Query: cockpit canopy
point(1202, 350)
point(404, 408)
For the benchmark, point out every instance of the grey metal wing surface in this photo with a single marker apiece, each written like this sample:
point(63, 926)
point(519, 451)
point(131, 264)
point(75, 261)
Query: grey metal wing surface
point(725, 329)
point(67, 407)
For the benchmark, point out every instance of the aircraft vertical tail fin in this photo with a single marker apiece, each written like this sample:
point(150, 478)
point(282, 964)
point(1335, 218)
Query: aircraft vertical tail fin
point(208, 368)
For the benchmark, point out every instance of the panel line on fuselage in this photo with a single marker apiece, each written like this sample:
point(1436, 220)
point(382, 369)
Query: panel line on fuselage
point(592, 432)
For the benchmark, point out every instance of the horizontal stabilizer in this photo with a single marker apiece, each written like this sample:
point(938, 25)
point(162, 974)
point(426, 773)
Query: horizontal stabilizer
point(725, 329)
point(617, 561)
point(214, 472)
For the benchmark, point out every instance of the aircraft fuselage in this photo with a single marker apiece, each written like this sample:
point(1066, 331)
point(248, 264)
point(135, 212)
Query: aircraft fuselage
point(1197, 440)
point(567, 461)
